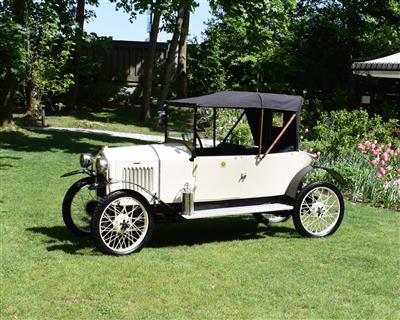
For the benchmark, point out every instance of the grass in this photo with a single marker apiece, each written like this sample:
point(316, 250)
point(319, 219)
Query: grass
point(122, 119)
point(210, 269)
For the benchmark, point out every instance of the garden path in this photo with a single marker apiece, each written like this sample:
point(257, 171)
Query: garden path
point(136, 136)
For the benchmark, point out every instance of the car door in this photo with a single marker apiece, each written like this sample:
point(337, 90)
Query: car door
point(241, 177)
point(218, 177)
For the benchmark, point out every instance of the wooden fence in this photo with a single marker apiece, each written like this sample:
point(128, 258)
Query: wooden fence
point(123, 62)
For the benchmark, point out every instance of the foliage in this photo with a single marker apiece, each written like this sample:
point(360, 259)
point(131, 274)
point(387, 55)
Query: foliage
point(206, 269)
point(47, 52)
point(368, 180)
point(338, 132)
point(11, 44)
point(244, 49)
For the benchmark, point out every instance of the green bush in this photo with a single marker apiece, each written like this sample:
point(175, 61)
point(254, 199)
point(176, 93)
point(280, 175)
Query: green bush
point(339, 132)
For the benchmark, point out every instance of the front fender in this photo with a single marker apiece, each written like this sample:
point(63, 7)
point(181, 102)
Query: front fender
point(291, 190)
point(79, 171)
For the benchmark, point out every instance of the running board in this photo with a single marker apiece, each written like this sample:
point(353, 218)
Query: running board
point(233, 211)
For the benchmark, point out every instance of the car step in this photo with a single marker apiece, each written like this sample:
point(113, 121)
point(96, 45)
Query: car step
point(233, 211)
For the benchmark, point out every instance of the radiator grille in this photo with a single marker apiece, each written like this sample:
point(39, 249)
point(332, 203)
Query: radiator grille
point(143, 176)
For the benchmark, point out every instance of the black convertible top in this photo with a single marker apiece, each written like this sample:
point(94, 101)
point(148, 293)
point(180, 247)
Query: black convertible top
point(243, 100)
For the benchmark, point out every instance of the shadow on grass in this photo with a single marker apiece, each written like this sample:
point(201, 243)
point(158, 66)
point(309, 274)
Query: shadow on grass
point(70, 244)
point(5, 162)
point(175, 234)
point(69, 142)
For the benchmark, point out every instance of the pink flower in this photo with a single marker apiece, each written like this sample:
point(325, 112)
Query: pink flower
point(318, 154)
point(372, 147)
point(375, 162)
point(382, 171)
point(398, 182)
point(375, 153)
point(385, 156)
point(389, 145)
point(385, 184)
point(379, 176)
point(367, 143)
point(360, 146)
point(382, 162)
point(398, 170)
point(375, 141)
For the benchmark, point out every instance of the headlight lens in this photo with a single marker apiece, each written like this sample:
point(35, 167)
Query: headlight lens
point(101, 165)
point(86, 159)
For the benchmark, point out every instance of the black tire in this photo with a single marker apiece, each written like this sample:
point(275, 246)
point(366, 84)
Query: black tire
point(77, 216)
point(319, 210)
point(114, 230)
point(267, 218)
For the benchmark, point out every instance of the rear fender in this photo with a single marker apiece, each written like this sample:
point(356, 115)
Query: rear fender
point(291, 190)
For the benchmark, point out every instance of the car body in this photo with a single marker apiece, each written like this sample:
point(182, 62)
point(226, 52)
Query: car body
point(133, 187)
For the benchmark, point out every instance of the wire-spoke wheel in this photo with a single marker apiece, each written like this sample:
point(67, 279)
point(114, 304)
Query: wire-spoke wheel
point(269, 218)
point(78, 206)
point(319, 210)
point(122, 223)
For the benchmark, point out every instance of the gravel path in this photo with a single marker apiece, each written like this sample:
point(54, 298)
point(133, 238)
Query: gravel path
point(136, 136)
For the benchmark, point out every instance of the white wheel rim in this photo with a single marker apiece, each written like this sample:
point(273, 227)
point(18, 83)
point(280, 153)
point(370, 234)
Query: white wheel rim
point(320, 211)
point(78, 213)
point(123, 224)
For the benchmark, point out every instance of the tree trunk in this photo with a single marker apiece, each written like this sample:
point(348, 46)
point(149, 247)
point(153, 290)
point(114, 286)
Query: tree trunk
point(149, 63)
point(33, 113)
point(80, 20)
point(182, 58)
point(10, 80)
point(170, 62)
point(7, 101)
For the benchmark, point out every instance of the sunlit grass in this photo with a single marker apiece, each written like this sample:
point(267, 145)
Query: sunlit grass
point(122, 119)
point(211, 269)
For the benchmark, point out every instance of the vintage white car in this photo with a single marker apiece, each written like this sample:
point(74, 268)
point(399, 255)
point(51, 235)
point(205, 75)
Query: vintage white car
point(128, 189)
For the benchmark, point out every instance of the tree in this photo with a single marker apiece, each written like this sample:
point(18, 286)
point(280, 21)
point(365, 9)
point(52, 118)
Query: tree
point(80, 21)
point(171, 58)
point(47, 51)
point(182, 56)
point(331, 33)
point(247, 46)
point(12, 54)
point(149, 60)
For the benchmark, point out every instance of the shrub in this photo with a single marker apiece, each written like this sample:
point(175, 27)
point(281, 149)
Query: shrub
point(338, 132)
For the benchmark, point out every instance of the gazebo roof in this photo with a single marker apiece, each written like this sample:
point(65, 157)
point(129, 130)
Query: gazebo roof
point(385, 67)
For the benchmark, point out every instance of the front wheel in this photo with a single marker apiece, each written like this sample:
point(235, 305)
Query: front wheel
point(122, 223)
point(319, 210)
point(78, 206)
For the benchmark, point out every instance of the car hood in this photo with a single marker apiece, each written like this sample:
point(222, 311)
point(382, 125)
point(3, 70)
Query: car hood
point(153, 152)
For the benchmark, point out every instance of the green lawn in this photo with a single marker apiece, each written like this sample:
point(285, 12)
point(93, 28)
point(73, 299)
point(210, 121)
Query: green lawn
point(123, 119)
point(210, 269)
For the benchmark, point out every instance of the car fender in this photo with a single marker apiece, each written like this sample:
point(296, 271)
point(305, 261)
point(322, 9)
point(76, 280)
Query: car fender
point(79, 171)
point(291, 190)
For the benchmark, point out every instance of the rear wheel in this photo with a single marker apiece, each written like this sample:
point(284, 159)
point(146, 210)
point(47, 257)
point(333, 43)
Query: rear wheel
point(268, 218)
point(319, 210)
point(122, 223)
point(78, 206)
